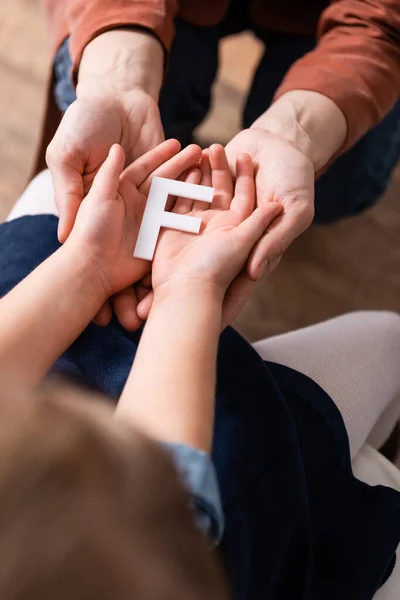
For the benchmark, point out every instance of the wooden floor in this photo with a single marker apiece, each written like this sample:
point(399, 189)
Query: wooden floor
point(24, 60)
point(351, 266)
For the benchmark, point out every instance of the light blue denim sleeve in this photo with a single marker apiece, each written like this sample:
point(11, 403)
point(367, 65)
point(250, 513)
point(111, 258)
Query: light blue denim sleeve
point(64, 89)
point(199, 478)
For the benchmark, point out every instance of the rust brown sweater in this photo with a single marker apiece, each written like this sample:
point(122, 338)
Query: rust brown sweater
point(356, 62)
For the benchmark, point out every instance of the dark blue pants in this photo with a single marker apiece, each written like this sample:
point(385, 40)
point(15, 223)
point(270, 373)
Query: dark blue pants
point(352, 184)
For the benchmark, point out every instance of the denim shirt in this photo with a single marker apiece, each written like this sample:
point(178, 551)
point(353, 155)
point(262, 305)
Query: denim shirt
point(199, 478)
point(64, 90)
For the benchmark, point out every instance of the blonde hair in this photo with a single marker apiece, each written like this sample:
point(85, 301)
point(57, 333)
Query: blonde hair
point(92, 511)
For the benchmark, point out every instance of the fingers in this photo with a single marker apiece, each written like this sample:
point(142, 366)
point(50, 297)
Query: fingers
point(146, 281)
point(125, 307)
point(206, 177)
point(221, 177)
point(144, 306)
point(143, 287)
point(68, 190)
point(105, 184)
point(144, 166)
point(252, 229)
point(175, 166)
point(185, 205)
point(104, 315)
point(283, 231)
point(244, 200)
point(205, 167)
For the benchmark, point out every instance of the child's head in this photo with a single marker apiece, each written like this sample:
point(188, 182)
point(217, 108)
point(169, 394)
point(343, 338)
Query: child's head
point(89, 510)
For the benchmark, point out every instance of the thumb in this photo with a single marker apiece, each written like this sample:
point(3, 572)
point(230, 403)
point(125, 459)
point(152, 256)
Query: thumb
point(106, 182)
point(144, 306)
point(68, 191)
point(253, 228)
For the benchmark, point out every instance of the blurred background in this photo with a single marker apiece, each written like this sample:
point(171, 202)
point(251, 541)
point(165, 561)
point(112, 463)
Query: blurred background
point(328, 271)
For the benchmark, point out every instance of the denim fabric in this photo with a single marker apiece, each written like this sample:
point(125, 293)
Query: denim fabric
point(64, 90)
point(198, 476)
point(352, 184)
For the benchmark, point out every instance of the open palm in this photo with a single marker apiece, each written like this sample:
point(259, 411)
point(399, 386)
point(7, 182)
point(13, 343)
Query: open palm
point(182, 255)
point(285, 175)
point(83, 140)
point(230, 227)
point(108, 219)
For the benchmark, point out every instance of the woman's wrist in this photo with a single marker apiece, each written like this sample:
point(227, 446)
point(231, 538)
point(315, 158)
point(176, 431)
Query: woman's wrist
point(309, 120)
point(122, 60)
point(80, 265)
point(195, 290)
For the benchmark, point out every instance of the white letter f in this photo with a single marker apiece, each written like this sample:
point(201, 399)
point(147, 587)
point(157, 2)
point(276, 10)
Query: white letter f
point(155, 216)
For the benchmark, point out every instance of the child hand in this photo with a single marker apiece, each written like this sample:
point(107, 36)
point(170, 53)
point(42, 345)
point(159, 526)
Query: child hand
point(108, 219)
point(230, 228)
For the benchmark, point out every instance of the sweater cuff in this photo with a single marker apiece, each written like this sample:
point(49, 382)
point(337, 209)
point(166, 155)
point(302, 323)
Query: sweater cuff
point(361, 108)
point(119, 15)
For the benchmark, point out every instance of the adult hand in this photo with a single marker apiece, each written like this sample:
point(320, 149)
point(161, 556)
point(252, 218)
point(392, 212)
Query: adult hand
point(289, 144)
point(283, 174)
point(91, 125)
point(83, 140)
point(119, 78)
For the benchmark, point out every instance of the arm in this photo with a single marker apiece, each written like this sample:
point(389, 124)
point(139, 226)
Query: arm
point(178, 385)
point(356, 65)
point(117, 49)
point(83, 20)
point(38, 323)
point(171, 395)
point(123, 60)
point(119, 81)
point(328, 99)
point(47, 311)
point(170, 392)
point(309, 121)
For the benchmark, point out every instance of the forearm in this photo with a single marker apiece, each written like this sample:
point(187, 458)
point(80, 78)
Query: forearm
point(355, 64)
point(313, 122)
point(122, 60)
point(44, 314)
point(170, 392)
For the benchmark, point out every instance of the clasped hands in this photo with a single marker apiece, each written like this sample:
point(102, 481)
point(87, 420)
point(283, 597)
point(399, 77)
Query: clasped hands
point(220, 258)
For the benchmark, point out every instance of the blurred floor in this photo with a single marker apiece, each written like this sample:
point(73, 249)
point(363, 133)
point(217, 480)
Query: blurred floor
point(351, 266)
point(23, 70)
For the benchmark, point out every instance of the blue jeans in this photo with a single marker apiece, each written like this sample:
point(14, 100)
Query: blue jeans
point(353, 183)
